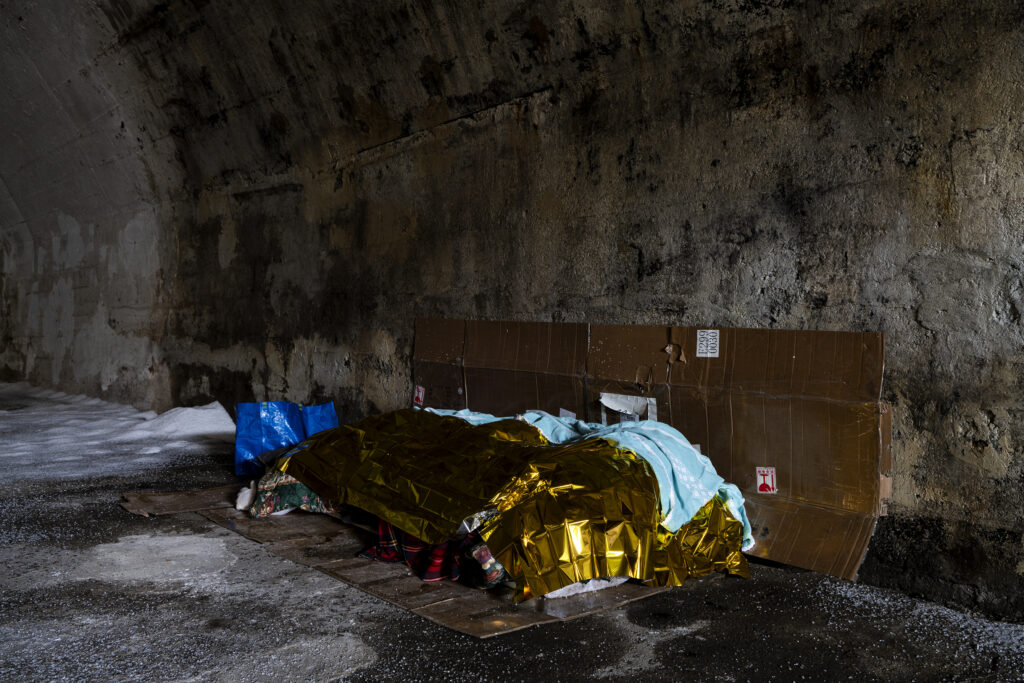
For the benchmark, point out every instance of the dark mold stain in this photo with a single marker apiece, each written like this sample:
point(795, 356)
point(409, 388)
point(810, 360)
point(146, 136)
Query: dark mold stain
point(537, 33)
point(431, 74)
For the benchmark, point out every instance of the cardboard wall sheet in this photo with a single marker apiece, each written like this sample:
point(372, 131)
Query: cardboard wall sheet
point(511, 365)
point(794, 418)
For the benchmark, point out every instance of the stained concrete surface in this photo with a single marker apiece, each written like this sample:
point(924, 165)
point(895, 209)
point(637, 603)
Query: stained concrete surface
point(92, 592)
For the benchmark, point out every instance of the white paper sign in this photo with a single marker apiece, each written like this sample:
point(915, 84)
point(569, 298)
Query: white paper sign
point(707, 343)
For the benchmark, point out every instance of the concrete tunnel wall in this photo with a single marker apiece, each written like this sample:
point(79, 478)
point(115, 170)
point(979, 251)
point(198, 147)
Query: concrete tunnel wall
point(240, 200)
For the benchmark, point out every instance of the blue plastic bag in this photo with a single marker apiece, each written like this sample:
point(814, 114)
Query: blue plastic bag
point(271, 425)
point(316, 419)
point(263, 427)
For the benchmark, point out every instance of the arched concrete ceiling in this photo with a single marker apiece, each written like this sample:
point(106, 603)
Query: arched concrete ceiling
point(227, 200)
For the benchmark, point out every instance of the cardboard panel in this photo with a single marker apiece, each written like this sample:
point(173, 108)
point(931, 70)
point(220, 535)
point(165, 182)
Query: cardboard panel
point(478, 613)
point(274, 529)
point(631, 360)
point(556, 348)
point(313, 551)
point(147, 504)
point(705, 418)
point(511, 367)
point(824, 452)
point(805, 403)
point(508, 392)
point(845, 366)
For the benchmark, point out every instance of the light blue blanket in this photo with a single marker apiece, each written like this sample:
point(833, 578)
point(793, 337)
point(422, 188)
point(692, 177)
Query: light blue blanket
point(687, 480)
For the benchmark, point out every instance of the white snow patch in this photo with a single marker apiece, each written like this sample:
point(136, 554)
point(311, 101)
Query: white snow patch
point(65, 436)
point(210, 422)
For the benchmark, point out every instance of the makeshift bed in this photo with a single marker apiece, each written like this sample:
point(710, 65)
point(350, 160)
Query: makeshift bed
point(555, 501)
point(793, 417)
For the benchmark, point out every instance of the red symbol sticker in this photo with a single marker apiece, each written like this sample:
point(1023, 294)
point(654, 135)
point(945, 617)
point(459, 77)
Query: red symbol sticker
point(420, 394)
point(766, 480)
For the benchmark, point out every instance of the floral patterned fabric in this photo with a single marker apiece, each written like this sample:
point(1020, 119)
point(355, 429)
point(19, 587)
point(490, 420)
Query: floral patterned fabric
point(278, 491)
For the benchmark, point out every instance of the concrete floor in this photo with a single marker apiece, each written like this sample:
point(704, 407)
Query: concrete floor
point(91, 592)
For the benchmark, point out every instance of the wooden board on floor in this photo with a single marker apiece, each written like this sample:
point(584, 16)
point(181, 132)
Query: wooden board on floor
point(394, 583)
point(482, 614)
point(313, 551)
point(295, 525)
point(482, 617)
point(147, 504)
point(332, 546)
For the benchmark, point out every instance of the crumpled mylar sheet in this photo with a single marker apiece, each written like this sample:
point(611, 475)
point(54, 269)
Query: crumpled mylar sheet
point(567, 512)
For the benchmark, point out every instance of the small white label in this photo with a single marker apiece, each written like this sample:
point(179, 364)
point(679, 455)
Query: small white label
point(419, 396)
point(707, 343)
point(562, 412)
point(766, 480)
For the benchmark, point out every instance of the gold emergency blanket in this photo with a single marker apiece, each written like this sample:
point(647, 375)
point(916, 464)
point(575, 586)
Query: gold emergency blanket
point(565, 513)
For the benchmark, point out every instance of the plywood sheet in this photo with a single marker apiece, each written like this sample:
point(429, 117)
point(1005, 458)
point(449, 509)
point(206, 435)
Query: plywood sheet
point(288, 527)
point(147, 504)
point(474, 612)
point(313, 551)
point(394, 583)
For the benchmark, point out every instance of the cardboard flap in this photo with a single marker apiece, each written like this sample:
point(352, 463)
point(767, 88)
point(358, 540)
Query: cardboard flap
point(820, 538)
point(630, 354)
